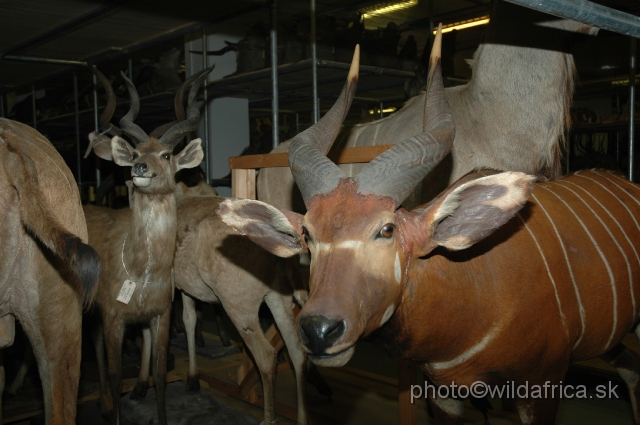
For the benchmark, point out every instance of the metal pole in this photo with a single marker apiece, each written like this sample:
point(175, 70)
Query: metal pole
point(33, 106)
point(77, 116)
point(297, 123)
point(381, 109)
point(95, 125)
point(314, 64)
point(205, 65)
point(275, 107)
point(130, 65)
point(632, 103)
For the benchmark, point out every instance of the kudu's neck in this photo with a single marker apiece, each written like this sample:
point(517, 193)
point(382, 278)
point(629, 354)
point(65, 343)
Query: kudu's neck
point(152, 234)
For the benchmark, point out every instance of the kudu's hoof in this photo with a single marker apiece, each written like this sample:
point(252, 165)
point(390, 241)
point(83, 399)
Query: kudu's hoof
point(140, 391)
point(193, 383)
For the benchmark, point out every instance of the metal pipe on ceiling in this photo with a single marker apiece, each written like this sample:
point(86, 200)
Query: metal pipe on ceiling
point(275, 127)
point(314, 63)
point(47, 61)
point(588, 13)
point(205, 65)
point(632, 104)
point(77, 123)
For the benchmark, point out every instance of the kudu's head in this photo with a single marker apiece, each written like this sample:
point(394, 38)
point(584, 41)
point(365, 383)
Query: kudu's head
point(153, 165)
point(361, 243)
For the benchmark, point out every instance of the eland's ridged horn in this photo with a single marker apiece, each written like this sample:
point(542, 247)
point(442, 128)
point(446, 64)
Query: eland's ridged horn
point(397, 171)
point(126, 123)
point(313, 172)
point(107, 114)
point(173, 136)
point(178, 104)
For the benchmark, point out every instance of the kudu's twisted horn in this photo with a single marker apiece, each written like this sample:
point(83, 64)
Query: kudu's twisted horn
point(397, 171)
point(137, 134)
point(182, 128)
point(178, 105)
point(314, 173)
point(107, 114)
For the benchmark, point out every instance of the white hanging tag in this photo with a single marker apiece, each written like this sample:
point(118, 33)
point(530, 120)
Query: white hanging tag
point(126, 291)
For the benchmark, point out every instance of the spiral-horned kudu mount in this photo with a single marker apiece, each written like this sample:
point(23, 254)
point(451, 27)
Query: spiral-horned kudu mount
point(169, 133)
point(395, 172)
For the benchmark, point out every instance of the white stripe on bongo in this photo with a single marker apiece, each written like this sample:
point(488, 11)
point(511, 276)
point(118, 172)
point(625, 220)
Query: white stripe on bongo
point(604, 260)
point(616, 196)
point(546, 264)
point(624, 233)
point(566, 259)
point(467, 354)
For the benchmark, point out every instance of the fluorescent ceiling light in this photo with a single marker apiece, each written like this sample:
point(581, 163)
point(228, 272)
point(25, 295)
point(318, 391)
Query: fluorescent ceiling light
point(388, 7)
point(385, 110)
point(483, 20)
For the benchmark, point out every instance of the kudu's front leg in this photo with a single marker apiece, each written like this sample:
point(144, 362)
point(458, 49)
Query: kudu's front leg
point(159, 326)
point(113, 336)
point(142, 386)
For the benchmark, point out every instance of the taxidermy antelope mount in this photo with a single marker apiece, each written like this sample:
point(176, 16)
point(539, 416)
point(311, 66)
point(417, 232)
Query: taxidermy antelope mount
point(455, 284)
point(138, 244)
point(47, 271)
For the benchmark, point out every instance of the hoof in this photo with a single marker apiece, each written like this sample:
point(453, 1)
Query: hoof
point(140, 391)
point(193, 383)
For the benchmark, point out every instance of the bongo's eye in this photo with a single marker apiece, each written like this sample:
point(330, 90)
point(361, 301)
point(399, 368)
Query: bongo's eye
point(387, 231)
point(166, 156)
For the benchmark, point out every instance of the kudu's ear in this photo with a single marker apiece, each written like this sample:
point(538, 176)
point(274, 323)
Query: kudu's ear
point(191, 156)
point(279, 232)
point(121, 151)
point(101, 146)
point(472, 210)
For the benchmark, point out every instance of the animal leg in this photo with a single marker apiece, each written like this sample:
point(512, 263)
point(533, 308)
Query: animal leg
point(627, 363)
point(113, 336)
point(142, 386)
point(106, 404)
point(189, 318)
point(539, 411)
point(281, 307)
point(264, 355)
point(446, 411)
point(159, 326)
point(27, 361)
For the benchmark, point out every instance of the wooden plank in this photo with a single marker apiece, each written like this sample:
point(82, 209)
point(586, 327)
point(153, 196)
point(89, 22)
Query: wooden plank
point(243, 183)
point(342, 156)
point(407, 377)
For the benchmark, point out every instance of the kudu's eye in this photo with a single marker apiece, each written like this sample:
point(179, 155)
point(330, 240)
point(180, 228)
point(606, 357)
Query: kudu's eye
point(386, 231)
point(166, 156)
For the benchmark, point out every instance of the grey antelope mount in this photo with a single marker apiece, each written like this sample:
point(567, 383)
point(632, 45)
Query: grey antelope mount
point(137, 245)
point(512, 114)
point(215, 265)
point(454, 284)
point(47, 270)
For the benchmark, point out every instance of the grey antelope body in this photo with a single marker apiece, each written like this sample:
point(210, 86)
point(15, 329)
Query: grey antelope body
point(459, 285)
point(137, 245)
point(46, 267)
point(214, 265)
point(510, 116)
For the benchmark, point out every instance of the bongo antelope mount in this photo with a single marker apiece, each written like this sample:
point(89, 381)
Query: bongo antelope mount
point(138, 244)
point(477, 285)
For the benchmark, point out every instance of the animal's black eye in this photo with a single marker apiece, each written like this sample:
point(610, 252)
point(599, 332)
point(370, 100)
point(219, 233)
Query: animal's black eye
point(166, 156)
point(386, 231)
point(135, 156)
point(306, 235)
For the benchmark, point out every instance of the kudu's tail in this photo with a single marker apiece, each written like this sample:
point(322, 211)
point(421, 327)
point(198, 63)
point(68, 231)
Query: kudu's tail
point(81, 259)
